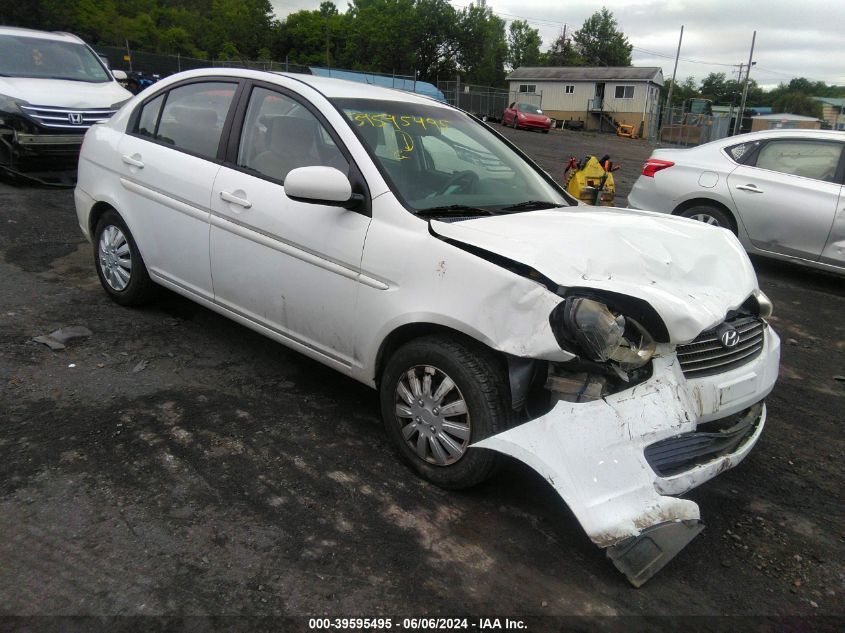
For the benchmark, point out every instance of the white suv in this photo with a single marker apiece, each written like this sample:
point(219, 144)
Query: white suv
point(622, 354)
point(53, 87)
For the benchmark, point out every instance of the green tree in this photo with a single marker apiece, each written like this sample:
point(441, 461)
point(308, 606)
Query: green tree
point(311, 38)
point(482, 45)
point(380, 35)
point(600, 43)
point(720, 89)
point(244, 23)
point(434, 39)
point(797, 103)
point(561, 53)
point(682, 91)
point(327, 9)
point(523, 45)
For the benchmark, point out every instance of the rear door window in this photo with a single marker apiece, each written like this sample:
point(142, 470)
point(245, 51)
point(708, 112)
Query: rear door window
point(818, 160)
point(192, 117)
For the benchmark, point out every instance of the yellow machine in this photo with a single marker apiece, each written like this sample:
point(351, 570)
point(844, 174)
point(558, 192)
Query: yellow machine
point(626, 131)
point(591, 180)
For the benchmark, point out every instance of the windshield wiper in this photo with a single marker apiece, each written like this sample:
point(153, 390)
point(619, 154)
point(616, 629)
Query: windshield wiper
point(531, 205)
point(454, 209)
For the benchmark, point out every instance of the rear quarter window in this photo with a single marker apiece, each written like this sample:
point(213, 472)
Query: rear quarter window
point(742, 152)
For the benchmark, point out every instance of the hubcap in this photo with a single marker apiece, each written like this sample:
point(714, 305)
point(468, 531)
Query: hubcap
point(115, 258)
point(433, 415)
point(707, 219)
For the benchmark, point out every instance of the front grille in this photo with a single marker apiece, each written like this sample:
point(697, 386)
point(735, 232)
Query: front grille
point(708, 442)
point(60, 118)
point(706, 355)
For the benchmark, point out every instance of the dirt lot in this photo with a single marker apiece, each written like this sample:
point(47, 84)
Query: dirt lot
point(175, 463)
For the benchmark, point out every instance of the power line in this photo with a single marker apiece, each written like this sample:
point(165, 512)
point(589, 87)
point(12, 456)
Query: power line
point(683, 59)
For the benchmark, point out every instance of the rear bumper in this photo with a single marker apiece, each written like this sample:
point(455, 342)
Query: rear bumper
point(645, 197)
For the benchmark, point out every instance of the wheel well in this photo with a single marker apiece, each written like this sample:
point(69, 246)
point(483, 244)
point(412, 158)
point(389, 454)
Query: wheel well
point(707, 202)
point(94, 216)
point(405, 333)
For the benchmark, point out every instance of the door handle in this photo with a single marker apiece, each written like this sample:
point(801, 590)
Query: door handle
point(751, 188)
point(241, 202)
point(134, 160)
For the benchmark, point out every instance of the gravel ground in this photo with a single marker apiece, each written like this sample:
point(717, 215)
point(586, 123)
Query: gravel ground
point(175, 463)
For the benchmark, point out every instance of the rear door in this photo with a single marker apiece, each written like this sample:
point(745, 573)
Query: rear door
point(787, 195)
point(169, 160)
point(290, 266)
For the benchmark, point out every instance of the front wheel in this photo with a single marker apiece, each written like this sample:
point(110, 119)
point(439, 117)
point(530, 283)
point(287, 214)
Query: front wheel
point(709, 215)
point(439, 395)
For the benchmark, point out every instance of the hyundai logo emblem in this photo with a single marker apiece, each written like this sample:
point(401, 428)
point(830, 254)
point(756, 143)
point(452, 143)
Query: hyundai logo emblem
point(75, 118)
point(729, 338)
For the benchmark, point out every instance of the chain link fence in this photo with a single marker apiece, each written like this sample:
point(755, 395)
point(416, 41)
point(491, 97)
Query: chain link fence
point(163, 65)
point(485, 102)
point(685, 129)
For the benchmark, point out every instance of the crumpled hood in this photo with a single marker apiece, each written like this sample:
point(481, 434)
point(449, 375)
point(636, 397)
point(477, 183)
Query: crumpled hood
point(63, 94)
point(692, 274)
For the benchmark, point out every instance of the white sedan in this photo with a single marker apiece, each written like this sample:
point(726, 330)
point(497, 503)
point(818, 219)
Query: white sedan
point(779, 191)
point(623, 355)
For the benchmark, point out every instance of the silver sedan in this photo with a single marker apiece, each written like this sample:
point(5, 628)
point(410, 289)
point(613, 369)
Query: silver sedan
point(780, 191)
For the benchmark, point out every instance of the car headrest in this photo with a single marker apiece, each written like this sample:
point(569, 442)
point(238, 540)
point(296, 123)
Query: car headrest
point(292, 133)
point(195, 117)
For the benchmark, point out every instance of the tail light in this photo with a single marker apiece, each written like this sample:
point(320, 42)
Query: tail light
point(654, 165)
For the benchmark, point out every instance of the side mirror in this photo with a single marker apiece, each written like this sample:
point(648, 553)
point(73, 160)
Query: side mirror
point(321, 185)
point(119, 75)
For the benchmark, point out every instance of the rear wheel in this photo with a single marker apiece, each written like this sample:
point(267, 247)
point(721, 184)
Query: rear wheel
point(709, 215)
point(119, 265)
point(439, 395)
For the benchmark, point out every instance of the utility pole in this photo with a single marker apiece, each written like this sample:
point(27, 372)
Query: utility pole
point(738, 125)
point(328, 61)
point(674, 74)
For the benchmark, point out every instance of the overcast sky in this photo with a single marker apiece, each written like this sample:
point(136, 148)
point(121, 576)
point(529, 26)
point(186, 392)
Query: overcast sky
point(794, 38)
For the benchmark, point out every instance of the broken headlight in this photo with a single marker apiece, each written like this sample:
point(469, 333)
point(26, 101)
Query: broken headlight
point(602, 335)
point(764, 304)
point(10, 104)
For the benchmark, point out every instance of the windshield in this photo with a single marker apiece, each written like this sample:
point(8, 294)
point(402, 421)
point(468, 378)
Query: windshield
point(49, 59)
point(527, 107)
point(436, 157)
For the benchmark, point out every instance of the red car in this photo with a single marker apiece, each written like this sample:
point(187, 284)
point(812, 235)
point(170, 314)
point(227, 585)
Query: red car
point(525, 115)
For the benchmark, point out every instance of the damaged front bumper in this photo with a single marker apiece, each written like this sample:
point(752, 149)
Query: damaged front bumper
point(618, 461)
point(30, 152)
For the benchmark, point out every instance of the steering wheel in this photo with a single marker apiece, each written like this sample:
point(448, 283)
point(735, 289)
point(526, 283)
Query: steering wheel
point(466, 179)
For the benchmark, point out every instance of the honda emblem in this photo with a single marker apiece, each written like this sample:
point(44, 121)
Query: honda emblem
point(75, 118)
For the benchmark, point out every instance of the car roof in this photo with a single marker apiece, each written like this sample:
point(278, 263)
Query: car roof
point(833, 135)
point(54, 36)
point(330, 87)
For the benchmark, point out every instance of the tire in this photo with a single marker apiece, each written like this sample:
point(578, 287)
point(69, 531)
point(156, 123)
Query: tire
point(545, 131)
point(709, 215)
point(119, 264)
point(480, 381)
